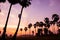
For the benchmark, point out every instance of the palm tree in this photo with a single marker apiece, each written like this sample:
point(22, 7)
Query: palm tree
point(24, 4)
point(39, 32)
point(35, 27)
point(2, 1)
point(25, 30)
point(4, 30)
point(41, 25)
point(55, 18)
point(21, 30)
point(29, 26)
point(47, 24)
point(33, 33)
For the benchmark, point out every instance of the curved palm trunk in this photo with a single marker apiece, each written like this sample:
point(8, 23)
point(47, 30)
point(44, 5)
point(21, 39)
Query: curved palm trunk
point(14, 37)
point(4, 30)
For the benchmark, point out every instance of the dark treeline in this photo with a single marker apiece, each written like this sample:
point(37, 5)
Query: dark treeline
point(47, 23)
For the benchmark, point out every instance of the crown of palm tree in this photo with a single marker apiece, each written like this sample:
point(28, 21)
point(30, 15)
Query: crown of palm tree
point(41, 24)
point(21, 29)
point(24, 3)
point(55, 17)
point(2, 1)
point(37, 23)
point(29, 25)
point(46, 20)
point(34, 25)
point(13, 1)
point(25, 28)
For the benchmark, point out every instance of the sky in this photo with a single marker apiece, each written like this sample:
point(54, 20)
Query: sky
point(37, 11)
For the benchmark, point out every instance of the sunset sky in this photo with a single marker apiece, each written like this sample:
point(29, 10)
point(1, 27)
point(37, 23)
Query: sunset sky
point(37, 11)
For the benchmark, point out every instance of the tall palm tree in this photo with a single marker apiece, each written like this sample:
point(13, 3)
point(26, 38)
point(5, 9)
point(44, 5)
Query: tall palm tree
point(47, 24)
point(33, 33)
point(55, 18)
point(29, 26)
point(35, 27)
point(41, 25)
point(24, 4)
point(21, 30)
point(25, 30)
point(2, 1)
point(4, 30)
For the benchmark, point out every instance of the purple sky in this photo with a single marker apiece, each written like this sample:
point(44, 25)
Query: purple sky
point(37, 11)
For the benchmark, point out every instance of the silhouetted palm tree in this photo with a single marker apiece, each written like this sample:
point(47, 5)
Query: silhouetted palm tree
point(33, 33)
point(39, 32)
point(25, 30)
point(4, 30)
point(37, 24)
point(35, 27)
point(41, 25)
point(21, 30)
point(12, 3)
point(24, 4)
point(29, 26)
point(2, 1)
point(55, 18)
point(47, 24)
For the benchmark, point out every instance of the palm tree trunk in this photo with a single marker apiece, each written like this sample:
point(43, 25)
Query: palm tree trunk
point(14, 37)
point(35, 31)
point(21, 32)
point(4, 30)
point(25, 33)
point(29, 31)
